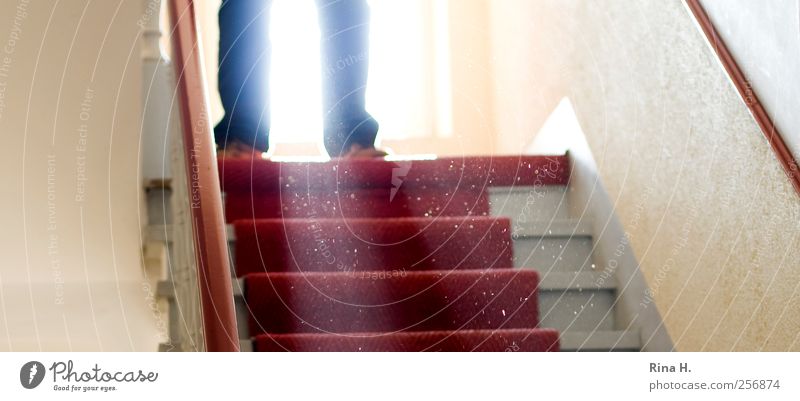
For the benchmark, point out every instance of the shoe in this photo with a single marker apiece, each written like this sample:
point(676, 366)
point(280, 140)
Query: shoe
point(348, 138)
point(361, 152)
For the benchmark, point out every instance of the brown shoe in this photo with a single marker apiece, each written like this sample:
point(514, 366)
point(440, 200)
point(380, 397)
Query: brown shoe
point(361, 152)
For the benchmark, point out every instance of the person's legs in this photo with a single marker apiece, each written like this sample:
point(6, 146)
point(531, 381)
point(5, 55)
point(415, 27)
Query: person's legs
point(244, 52)
point(344, 25)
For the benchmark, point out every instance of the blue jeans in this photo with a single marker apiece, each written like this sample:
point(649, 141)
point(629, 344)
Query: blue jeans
point(244, 53)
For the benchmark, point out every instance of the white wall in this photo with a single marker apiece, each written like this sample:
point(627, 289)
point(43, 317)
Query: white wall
point(71, 276)
point(764, 38)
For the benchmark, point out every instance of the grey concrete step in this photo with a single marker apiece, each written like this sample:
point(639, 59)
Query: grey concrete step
point(601, 341)
point(574, 281)
point(595, 341)
point(576, 301)
point(554, 245)
point(574, 298)
point(240, 306)
point(524, 204)
point(577, 309)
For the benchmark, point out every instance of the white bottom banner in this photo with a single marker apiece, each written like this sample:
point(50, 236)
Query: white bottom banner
point(344, 376)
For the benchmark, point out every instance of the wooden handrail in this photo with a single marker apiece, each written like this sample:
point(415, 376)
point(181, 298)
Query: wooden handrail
point(747, 93)
point(213, 270)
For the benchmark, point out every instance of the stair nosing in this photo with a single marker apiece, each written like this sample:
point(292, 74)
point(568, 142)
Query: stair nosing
point(556, 228)
point(573, 281)
point(606, 340)
point(553, 281)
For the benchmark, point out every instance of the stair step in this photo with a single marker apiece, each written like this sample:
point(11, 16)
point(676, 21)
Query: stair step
point(264, 176)
point(558, 245)
point(594, 341)
point(555, 245)
point(563, 293)
point(554, 281)
point(353, 245)
point(553, 228)
point(379, 202)
point(246, 346)
point(523, 203)
point(601, 341)
point(282, 303)
point(576, 301)
point(523, 340)
point(574, 281)
point(241, 308)
point(378, 188)
point(577, 309)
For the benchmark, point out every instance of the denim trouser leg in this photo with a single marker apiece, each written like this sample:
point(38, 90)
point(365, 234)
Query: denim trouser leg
point(244, 52)
point(344, 27)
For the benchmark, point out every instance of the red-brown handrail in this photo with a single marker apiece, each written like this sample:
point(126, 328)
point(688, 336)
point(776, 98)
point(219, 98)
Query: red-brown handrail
point(747, 93)
point(213, 270)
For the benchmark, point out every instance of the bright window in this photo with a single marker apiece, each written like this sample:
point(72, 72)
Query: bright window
point(409, 90)
point(295, 77)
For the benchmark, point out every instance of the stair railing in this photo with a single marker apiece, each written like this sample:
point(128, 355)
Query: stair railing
point(197, 200)
point(750, 98)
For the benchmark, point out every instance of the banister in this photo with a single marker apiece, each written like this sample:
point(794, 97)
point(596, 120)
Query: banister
point(747, 93)
point(213, 270)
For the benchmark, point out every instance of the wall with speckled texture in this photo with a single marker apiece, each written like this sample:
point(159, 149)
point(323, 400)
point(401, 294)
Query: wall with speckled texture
point(718, 237)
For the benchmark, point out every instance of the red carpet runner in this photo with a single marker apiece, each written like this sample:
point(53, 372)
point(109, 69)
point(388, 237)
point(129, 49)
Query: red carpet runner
point(374, 255)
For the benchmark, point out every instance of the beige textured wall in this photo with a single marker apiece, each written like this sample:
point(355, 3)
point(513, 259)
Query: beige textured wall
point(712, 219)
point(71, 276)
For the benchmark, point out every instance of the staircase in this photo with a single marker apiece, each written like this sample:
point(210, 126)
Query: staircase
point(461, 254)
point(453, 254)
